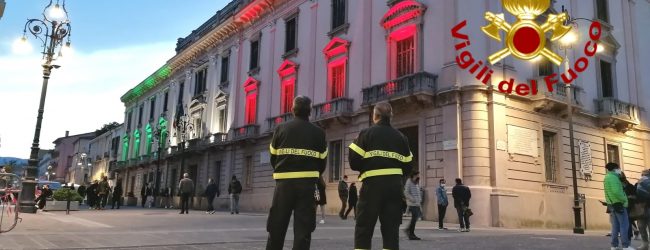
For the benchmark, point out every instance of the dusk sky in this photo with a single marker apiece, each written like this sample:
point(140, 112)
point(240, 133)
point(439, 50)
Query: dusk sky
point(116, 44)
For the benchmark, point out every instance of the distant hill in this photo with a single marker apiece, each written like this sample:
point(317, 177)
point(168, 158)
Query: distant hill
point(7, 160)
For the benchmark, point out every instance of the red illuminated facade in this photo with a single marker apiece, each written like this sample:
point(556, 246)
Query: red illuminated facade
point(250, 88)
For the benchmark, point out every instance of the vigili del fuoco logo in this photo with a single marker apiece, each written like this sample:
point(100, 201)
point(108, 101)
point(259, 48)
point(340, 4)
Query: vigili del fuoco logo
point(525, 40)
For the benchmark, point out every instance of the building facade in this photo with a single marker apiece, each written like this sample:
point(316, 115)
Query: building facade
point(233, 79)
point(103, 153)
point(64, 151)
point(44, 161)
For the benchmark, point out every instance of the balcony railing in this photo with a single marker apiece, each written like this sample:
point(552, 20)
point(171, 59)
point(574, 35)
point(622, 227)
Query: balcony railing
point(617, 114)
point(246, 132)
point(333, 108)
point(277, 120)
point(218, 138)
point(405, 86)
point(554, 101)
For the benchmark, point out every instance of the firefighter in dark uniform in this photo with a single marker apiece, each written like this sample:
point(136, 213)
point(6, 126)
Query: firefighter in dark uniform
point(381, 155)
point(298, 151)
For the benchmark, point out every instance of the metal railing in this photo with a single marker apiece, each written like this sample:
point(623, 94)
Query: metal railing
point(245, 132)
point(401, 87)
point(333, 108)
point(559, 92)
point(277, 120)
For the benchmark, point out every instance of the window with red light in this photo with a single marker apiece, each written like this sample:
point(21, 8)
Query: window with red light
point(405, 56)
point(288, 93)
point(337, 81)
point(251, 105)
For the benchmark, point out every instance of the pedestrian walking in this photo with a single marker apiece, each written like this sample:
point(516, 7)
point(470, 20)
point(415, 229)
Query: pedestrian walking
point(381, 155)
point(82, 191)
point(617, 204)
point(91, 194)
point(321, 199)
point(149, 193)
point(632, 211)
point(41, 201)
point(643, 197)
point(117, 194)
point(211, 191)
point(352, 201)
point(186, 188)
point(298, 151)
point(412, 193)
point(234, 190)
point(443, 202)
point(143, 194)
point(462, 195)
point(102, 191)
point(343, 195)
point(167, 194)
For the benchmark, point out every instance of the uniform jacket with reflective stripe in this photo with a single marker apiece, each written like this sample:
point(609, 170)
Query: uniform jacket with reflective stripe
point(380, 147)
point(298, 146)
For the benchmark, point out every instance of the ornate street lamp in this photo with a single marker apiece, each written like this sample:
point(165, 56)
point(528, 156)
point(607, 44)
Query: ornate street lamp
point(161, 144)
point(50, 172)
point(51, 30)
point(184, 127)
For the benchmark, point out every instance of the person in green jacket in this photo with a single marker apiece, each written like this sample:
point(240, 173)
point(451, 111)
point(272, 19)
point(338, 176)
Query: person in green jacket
point(617, 204)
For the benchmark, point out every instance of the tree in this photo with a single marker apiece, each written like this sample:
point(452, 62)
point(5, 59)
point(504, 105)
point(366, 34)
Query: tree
point(11, 165)
point(107, 127)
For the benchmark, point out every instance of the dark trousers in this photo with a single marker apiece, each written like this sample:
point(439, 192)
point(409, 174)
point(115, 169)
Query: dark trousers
point(442, 210)
point(143, 200)
point(104, 200)
point(297, 196)
point(117, 200)
point(185, 203)
point(344, 202)
point(381, 198)
point(210, 200)
point(353, 205)
point(463, 219)
point(415, 215)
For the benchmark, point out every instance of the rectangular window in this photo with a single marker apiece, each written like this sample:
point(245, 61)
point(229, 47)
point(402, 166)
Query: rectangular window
point(288, 92)
point(165, 101)
point(152, 108)
point(128, 123)
point(255, 55)
point(222, 119)
point(251, 106)
point(200, 80)
point(224, 69)
point(181, 89)
point(602, 12)
point(248, 172)
point(606, 83)
point(405, 56)
point(550, 161)
point(613, 154)
point(140, 112)
point(338, 13)
point(290, 34)
point(337, 84)
point(545, 66)
point(335, 160)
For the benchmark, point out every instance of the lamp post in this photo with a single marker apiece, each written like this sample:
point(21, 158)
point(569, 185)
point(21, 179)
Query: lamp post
point(566, 43)
point(80, 164)
point(51, 30)
point(184, 126)
point(158, 138)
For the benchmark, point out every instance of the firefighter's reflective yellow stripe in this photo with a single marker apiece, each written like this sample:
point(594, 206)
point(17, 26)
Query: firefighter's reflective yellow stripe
point(298, 151)
point(378, 172)
point(294, 175)
point(381, 153)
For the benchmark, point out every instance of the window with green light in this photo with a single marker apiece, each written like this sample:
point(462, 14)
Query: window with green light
point(136, 145)
point(149, 138)
point(125, 147)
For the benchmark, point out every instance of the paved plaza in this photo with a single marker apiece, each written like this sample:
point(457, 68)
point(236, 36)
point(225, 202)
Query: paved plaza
point(130, 228)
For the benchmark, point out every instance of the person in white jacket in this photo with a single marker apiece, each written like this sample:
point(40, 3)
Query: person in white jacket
point(413, 196)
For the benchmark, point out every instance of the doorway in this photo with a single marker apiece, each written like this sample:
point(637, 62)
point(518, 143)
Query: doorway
point(411, 134)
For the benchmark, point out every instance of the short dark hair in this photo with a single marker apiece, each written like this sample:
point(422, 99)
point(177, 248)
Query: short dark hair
point(383, 110)
point(611, 166)
point(414, 173)
point(345, 176)
point(441, 180)
point(234, 177)
point(302, 106)
point(459, 181)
